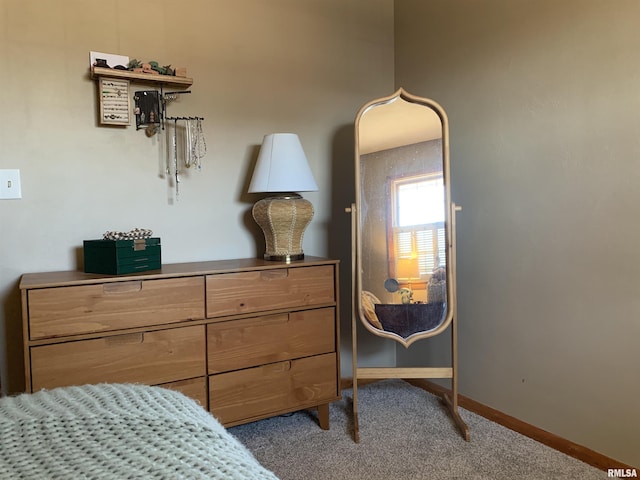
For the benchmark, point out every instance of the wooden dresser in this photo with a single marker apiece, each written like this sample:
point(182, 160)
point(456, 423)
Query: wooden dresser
point(247, 338)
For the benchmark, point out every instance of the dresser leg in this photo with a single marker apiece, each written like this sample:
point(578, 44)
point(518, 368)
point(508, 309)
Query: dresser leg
point(323, 416)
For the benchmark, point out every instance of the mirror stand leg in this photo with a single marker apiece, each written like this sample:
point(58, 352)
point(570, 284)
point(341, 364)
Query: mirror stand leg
point(457, 419)
point(354, 404)
point(356, 428)
point(354, 338)
point(452, 402)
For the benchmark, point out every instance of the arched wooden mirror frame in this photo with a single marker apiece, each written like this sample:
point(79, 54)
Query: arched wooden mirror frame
point(358, 310)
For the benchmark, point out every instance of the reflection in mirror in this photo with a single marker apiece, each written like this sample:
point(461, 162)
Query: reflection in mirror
point(402, 208)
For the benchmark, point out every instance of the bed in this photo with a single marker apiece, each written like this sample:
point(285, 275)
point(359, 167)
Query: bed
point(117, 431)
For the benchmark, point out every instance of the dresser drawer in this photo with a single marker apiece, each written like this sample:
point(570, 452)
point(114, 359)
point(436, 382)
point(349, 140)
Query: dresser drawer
point(256, 291)
point(150, 358)
point(59, 311)
point(238, 344)
point(254, 393)
point(195, 388)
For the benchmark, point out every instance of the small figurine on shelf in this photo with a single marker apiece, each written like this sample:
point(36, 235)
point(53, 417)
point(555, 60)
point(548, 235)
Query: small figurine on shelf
point(135, 66)
point(166, 70)
point(406, 295)
point(146, 68)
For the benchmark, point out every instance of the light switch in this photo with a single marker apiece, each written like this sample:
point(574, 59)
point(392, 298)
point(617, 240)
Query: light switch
point(10, 184)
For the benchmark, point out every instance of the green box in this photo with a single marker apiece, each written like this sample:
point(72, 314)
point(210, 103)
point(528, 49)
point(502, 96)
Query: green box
point(118, 257)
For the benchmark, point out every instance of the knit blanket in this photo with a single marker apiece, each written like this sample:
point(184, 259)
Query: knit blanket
point(117, 431)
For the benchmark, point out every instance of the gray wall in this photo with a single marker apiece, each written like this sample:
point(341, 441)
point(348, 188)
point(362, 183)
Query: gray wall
point(544, 109)
point(258, 66)
point(543, 101)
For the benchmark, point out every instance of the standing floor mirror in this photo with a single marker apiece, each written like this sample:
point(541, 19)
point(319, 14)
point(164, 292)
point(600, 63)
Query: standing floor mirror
point(403, 236)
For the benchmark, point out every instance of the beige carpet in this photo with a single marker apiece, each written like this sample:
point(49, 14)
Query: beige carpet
point(405, 433)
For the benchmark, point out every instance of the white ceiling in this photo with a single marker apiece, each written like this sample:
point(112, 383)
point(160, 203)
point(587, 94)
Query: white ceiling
point(395, 124)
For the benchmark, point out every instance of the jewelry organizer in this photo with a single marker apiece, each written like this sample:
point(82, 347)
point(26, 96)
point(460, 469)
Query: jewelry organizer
point(114, 101)
point(113, 91)
point(185, 145)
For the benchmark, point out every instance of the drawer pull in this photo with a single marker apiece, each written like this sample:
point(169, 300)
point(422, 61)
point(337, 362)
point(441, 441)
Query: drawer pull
point(275, 319)
point(274, 274)
point(121, 287)
point(279, 367)
point(127, 339)
point(139, 244)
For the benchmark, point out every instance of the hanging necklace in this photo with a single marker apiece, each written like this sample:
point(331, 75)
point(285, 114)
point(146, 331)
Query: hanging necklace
point(200, 145)
point(188, 150)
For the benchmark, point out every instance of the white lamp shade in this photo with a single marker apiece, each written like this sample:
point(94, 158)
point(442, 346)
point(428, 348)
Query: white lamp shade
point(282, 166)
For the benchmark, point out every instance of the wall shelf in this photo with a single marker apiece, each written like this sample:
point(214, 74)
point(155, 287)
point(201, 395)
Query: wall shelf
point(167, 80)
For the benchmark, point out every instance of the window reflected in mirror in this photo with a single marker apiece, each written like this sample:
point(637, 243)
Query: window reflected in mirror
point(417, 241)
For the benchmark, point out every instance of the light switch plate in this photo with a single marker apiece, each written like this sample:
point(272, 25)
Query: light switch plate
point(10, 184)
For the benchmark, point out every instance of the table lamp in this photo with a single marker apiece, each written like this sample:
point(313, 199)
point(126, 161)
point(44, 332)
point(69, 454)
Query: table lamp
point(408, 269)
point(282, 170)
